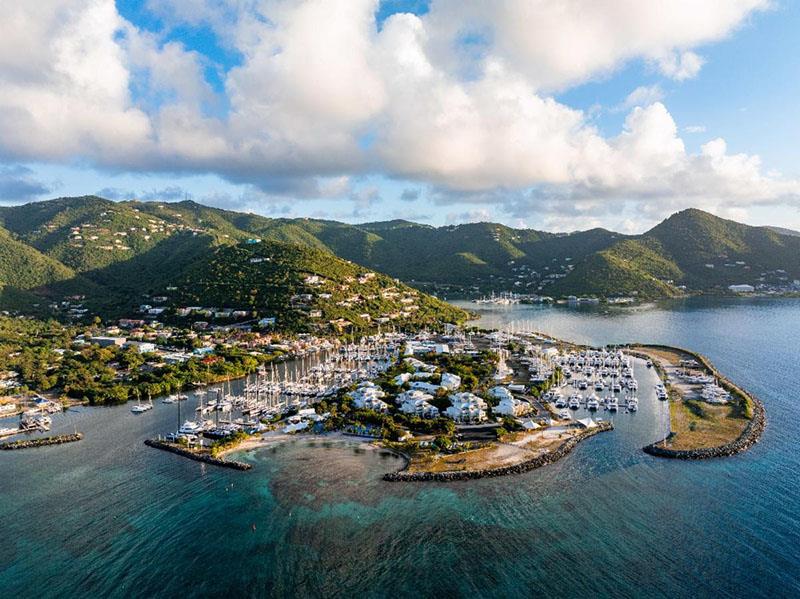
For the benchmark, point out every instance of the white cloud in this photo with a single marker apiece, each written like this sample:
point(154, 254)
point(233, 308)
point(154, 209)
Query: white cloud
point(695, 129)
point(644, 95)
point(680, 65)
point(458, 97)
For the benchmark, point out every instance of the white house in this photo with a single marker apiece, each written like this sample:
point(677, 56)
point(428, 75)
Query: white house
point(509, 406)
point(402, 378)
point(500, 393)
point(466, 407)
point(423, 386)
point(368, 397)
point(417, 403)
point(451, 382)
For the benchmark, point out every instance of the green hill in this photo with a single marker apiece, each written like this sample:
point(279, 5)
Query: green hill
point(301, 287)
point(120, 254)
point(693, 249)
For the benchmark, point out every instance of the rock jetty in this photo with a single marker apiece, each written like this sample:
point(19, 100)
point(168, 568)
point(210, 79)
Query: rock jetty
point(198, 457)
point(525, 466)
point(41, 441)
point(749, 437)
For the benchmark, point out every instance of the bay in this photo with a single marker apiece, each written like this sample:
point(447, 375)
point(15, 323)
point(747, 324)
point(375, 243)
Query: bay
point(110, 517)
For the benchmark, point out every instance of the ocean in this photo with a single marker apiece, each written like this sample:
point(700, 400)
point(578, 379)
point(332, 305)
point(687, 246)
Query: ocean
point(110, 517)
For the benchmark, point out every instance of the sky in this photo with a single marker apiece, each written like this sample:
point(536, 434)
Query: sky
point(549, 114)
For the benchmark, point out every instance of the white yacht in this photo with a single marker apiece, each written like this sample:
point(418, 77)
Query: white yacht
point(593, 402)
point(564, 415)
point(575, 401)
point(561, 402)
point(633, 404)
point(612, 404)
point(140, 408)
point(169, 399)
point(190, 427)
point(599, 385)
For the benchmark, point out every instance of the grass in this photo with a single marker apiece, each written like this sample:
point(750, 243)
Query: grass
point(696, 424)
point(699, 425)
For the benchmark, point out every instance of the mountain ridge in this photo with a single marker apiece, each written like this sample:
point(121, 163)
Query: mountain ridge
point(130, 250)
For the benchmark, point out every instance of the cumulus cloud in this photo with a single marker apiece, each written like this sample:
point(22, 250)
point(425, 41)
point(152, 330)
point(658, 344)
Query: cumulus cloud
point(459, 98)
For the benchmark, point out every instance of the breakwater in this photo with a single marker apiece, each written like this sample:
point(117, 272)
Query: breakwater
point(41, 442)
point(520, 468)
point(749, 436)
point(198, 457)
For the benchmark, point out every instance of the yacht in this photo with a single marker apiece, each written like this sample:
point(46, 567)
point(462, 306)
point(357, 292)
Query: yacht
point(615, 386)
point(583, 384)
point(633, 404)
point(593, 402)
point(564, 415)
point(561, 402)
point(599, 385)
point(575, 401)
point(612, 404)
point(169, 399)
point(190, 427)
point(649, 364)
point(139, 408)
point(633, 385)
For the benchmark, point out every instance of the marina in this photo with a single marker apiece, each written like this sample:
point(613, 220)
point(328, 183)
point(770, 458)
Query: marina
point(605, 502)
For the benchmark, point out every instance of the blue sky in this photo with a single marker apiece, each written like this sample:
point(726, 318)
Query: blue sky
point(451, 113)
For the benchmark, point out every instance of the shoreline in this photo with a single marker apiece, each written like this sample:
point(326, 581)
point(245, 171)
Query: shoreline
point(265, 440)
point(744, 441)
point(549, 457)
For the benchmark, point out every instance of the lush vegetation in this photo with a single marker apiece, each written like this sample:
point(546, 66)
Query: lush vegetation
point(117, 253)
point(47, 360)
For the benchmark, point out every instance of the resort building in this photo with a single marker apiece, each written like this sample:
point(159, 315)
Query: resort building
point(466, 407)
point(417, 403)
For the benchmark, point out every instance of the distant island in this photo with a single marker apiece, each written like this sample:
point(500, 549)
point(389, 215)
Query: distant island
point(77, 258)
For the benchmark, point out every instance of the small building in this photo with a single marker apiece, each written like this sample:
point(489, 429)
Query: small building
point(143, 347)
point(108, 341)
point(741, 288)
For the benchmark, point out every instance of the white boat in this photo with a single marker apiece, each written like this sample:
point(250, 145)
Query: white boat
point(169, 399)
point(593, 402)
point(575, 401)
point(190, 427)
point(561, 402)
point(633, 404)
point(564, 415)
point(612, 404)
point(139, 408)
point(649, 364)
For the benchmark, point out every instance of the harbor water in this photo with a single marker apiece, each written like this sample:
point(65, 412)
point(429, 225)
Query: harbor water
point(110, 517)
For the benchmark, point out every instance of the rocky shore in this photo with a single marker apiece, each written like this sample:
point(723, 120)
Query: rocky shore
point(525, 466)
point(747, 439)
point(198, 457)
point(42, 441)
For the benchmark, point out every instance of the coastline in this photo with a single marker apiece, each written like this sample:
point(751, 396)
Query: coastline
point(745, 440)
point(527, 465)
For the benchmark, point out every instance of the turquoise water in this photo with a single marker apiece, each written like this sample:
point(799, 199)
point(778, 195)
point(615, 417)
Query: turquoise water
point(110, 517)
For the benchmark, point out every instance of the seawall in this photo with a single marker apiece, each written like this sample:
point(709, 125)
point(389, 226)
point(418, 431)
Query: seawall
point(41, 441)
point(198, 457)
point(525, 466)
